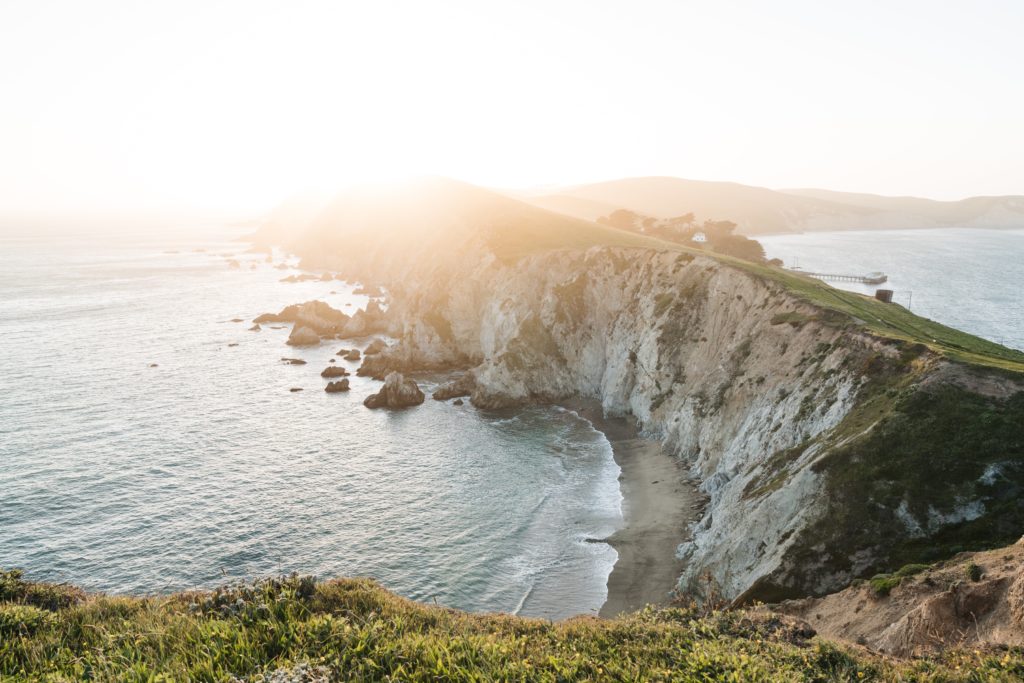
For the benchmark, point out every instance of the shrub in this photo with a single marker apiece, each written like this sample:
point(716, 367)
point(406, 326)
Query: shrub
point(973, 571)
point(883, 584)
point(22, 620)
point(13, 588)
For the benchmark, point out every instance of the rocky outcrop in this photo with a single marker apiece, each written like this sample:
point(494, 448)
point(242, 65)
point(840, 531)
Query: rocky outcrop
point(293, 361)
point(333, 371)
point(302, 336)
point(353, 355)
point(788, 415)
point(397, 392)
point(463, 386)
point(337, 387)
point(318, 316)
point(376, 346)
point(371, 320)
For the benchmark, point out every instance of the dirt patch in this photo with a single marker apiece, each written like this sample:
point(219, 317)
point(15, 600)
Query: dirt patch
point(974, 600)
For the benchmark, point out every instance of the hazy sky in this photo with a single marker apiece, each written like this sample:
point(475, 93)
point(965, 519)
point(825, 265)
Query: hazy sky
point(132, 104)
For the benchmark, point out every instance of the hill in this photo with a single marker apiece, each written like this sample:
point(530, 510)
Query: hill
point(435, 222)
point(759, 210)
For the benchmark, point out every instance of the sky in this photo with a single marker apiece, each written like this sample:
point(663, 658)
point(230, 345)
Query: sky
point(237, 104)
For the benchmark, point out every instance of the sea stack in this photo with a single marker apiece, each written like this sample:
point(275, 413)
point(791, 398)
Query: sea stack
point(397, 392)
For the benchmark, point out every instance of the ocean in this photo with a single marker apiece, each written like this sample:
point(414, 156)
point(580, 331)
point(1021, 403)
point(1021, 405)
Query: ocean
point(967, 278)
point(125, 478)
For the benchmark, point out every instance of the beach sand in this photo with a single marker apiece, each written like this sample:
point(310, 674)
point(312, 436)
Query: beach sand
point(659, 502)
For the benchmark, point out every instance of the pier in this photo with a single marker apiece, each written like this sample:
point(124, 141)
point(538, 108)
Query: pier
point(869, 279)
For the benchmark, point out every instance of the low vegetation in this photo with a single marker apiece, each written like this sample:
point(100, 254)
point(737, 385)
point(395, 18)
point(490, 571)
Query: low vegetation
point(883, 584)
point(889, 320)
point(295, 629)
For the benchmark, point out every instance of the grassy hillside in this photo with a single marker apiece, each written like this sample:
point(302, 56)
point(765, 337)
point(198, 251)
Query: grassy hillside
point(892, 320)
point(294, 629)
point(755, 209)
point(1005, 211)
point(436, 219)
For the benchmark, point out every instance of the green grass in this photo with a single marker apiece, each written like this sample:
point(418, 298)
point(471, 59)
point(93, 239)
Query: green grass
point(883, 584)
point(354, 630)
point(533, 234)
point(889, 320)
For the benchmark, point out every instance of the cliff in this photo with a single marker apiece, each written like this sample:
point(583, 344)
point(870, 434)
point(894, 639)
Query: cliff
point(834, 435)
point(827, 450)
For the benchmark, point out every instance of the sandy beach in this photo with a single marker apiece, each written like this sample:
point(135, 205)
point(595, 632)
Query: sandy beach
point(658, 505)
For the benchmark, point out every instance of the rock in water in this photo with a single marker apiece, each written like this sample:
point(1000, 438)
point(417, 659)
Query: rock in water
point(336, 387)
point(255, 328)
point(376, 346)
point(457, 402)
point(352, 355)
point(294, 389)
point(334, 372)
point(463, 386)
point(397, 392)
point(303, 336)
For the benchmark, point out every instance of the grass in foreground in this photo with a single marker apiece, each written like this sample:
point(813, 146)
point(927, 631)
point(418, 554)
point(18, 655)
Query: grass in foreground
point(294, 629)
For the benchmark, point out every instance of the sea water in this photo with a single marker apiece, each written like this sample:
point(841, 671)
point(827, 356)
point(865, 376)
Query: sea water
point(121, 477)
point(967, 278)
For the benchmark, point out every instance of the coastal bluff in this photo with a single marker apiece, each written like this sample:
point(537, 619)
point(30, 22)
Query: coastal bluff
point(834, 436)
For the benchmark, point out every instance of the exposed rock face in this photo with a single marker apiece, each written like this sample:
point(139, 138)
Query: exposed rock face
point(336, 387)
point(376, 346)
point(315, 315)
point(772, 402)
point(302, 336)
point(463, 386)
point(397, 392)
point(930, 610)
point(334, 372)
point(371, 320)
point(352, 355)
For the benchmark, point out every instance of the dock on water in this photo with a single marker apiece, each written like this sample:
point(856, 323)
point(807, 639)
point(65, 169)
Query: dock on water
point(869, 279)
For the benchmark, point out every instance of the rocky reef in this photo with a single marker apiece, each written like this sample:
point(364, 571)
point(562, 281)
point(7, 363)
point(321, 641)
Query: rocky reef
point(397, 392)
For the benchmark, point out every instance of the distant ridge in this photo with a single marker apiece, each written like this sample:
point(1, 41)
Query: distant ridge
point(760, 210)
point(431, 223)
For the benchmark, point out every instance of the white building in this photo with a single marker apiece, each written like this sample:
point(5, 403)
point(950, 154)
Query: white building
point(699, 237)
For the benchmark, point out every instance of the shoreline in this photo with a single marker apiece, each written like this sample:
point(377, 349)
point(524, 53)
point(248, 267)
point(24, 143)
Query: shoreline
point(658, 505)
